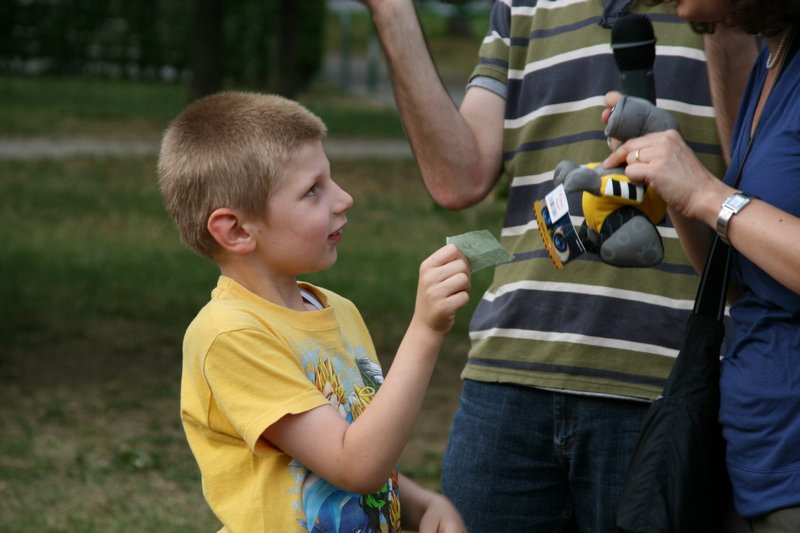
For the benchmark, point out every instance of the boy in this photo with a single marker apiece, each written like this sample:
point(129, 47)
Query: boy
point(282, 398)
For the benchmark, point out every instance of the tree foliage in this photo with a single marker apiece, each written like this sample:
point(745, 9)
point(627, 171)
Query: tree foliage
point(262, 44)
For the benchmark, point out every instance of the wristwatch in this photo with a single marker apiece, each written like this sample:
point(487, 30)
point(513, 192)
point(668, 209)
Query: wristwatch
point(732, 205)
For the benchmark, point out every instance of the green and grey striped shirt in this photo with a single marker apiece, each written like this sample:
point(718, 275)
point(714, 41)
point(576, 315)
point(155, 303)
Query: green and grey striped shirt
point(589, 328)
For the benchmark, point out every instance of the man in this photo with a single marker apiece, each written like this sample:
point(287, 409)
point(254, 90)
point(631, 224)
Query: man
point(563, 363)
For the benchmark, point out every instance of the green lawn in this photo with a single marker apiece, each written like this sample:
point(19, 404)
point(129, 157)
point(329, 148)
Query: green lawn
point(64, 108)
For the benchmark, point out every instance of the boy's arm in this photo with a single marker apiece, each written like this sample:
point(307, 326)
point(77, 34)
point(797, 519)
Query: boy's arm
point(459, 153)
point(359, 457)
point(426, 511)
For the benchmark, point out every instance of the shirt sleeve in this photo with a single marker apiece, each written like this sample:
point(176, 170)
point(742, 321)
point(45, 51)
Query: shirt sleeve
point(490, 84)
point(493, 60)
point(255, 380)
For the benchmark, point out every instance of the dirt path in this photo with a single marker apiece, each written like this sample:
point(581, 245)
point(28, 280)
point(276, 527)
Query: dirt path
point(34, 148)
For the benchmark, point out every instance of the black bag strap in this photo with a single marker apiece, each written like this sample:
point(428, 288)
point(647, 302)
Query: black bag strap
point(713, 288)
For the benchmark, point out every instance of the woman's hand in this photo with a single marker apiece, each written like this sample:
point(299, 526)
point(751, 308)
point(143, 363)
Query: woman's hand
point(662, 160)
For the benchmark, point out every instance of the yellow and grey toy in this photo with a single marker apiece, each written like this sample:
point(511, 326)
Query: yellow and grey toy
point(620, 217)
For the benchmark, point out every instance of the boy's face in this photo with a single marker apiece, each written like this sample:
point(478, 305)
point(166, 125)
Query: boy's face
point(305, 215)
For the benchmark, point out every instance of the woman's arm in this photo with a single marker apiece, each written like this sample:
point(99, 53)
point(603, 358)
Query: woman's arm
point(766, 235)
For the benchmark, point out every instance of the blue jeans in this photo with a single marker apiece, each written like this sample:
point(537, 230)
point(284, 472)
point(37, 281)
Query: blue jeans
point(521, 459)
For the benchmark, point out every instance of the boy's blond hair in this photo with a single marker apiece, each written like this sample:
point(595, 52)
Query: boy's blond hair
point(228, 150)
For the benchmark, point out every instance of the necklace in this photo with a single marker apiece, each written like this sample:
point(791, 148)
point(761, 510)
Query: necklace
point(772, 59)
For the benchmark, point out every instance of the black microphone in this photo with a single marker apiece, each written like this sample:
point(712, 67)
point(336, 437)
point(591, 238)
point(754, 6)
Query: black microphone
point(634, 45)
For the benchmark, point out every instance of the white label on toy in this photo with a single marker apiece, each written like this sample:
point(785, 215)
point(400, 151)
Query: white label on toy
point(557, 203)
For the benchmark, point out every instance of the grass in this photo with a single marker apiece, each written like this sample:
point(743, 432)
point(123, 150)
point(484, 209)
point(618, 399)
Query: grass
point(122, 110)
point(96, 291)
point(94, 107)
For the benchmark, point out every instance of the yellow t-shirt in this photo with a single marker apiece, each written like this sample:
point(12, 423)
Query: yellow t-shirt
point(247, 363)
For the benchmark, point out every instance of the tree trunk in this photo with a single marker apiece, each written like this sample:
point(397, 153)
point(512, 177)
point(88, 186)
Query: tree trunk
point(206, 54)
point(283, 67)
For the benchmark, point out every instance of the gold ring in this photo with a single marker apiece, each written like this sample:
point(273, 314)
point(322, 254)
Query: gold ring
point(636, 157)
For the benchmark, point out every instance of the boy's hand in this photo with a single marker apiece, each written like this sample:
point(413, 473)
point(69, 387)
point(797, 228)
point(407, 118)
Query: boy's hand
point(441, 516)
point(444, 283)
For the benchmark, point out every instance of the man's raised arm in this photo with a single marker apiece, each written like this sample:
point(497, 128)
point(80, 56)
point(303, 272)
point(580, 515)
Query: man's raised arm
point(459, 152)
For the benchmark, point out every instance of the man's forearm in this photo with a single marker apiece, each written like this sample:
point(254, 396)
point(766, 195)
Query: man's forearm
point(446, 148)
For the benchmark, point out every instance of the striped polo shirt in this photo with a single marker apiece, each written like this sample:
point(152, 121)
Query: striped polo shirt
point(589, 328)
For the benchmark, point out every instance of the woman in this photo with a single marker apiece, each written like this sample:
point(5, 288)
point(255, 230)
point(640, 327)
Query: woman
point(760, 379)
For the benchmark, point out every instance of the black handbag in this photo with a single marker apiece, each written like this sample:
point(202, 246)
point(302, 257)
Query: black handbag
point(677, 481)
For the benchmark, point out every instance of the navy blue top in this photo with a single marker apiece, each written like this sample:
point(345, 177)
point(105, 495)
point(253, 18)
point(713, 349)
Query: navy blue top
point(760, 410)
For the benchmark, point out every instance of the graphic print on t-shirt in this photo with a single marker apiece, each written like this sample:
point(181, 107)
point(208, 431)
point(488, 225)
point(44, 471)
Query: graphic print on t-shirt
point(349, 382)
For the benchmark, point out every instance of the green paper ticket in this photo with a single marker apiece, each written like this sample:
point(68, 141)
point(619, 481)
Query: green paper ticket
point(481, 249)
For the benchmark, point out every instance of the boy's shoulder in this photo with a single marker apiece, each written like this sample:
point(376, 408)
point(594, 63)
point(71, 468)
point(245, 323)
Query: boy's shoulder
point(230, 308)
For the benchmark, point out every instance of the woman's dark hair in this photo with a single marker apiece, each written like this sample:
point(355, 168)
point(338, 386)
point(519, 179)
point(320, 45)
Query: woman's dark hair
point(765, 17)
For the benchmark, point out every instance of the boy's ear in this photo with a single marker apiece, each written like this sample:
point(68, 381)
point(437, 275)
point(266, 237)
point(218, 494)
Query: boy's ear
point(229, 230)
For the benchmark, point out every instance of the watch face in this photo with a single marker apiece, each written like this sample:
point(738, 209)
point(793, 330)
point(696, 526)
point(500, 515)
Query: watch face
point(737, 201)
